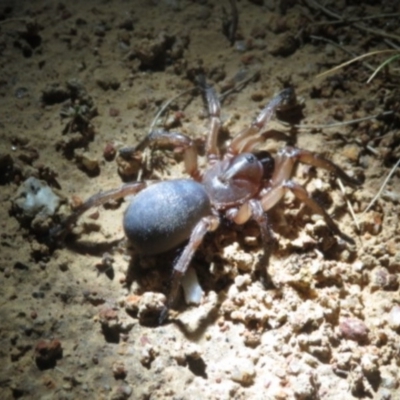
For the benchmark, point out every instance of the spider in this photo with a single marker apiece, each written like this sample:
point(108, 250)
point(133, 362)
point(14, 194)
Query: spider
point(238, 185)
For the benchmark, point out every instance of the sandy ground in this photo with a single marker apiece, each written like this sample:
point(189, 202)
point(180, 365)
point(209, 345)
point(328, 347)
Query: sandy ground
point(79, 81)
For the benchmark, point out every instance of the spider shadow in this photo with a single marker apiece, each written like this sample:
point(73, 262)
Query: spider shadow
point(94, 249)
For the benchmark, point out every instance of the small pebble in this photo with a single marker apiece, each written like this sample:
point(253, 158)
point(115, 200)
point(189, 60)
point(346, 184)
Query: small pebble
point(394, 318)
point(354, 329)
point(241, 370)
point(113, 112)
point(109, 152)
point(89, 162)
point(119, 370)
point(47, 353)
point(122, 392)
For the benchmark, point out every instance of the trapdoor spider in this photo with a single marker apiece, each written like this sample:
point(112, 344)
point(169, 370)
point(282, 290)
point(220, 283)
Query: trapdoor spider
point(240, 185)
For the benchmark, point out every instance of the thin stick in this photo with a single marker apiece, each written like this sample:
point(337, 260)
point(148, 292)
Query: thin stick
point(356, 59)
point(238, 86)
point(165, 106)
point(377, 32)
point(381, 66)
point(338, 124)
point(391, 44)
point(349, 206)
point(381, 189)
point(234, 22)
point(372, 150)
point(14, 20)
point(324, 39)
point(314, 4)
point(350, 20)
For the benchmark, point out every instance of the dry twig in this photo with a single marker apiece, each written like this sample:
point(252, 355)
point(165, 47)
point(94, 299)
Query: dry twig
point(382, 188)
point(314, 4)
point(349, 206)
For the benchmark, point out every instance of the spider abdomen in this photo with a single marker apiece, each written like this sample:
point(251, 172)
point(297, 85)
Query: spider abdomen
point(163, 215)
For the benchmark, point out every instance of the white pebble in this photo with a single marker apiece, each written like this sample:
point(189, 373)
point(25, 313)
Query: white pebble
point(241, 370)
point(394, 318)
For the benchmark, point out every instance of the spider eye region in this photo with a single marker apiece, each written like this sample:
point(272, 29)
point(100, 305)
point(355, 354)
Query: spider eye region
point(244, 166)
point(250, 158)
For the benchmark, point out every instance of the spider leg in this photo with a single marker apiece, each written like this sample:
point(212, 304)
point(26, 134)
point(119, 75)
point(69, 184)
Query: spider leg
point(162, 139)
point(247, 139)
point(253, 210)
point(206, 224)
point(59, 232)
point(254, 141)
point(277, 192)
point(267, 239)
point(289, 155)
point(280, 182)
point(214, 110)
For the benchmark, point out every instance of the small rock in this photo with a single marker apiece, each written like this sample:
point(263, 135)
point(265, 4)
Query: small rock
point(370, 364)
point(193, 319)
point(354, 329)
point(394, 318)
point(241, 370)
point(128, 168)
point(372, 222)
point(113, 112)
point(257, 96)
point(108, 317)
point(109, 152)
point(106, 83)
point(382, 279)
point(122, 392)
point(352, 151)
point(88, 162)
point(147, 355)
point(284, 45)
point(251, 339)
point(110, 324)
point(241, 281)
point(150, 306)
point(47, 353)
point(308, 315)
point(389, 377)
point(131, 303)
point(35, 199)
point(54, 94)
point(119, 370)
point(193, 351)
point(304, 387)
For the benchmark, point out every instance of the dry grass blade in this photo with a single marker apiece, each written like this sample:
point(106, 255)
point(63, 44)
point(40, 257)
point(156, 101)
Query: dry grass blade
point(6, 21)
point(336, 124)
point(353, 60)
point(381, 189)
point(166, 105)
point(349, 206)
point(386, 62)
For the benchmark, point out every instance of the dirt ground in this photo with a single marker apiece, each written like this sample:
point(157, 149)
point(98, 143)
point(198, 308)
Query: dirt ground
point(81, 80)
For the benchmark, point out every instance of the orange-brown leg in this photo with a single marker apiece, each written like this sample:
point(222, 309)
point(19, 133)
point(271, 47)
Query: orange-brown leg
point(280, 182)
point(205, 225)
point(214, 111)
point(246, 140)
point(288, 156)
point(58, 232)
point(160, 138)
